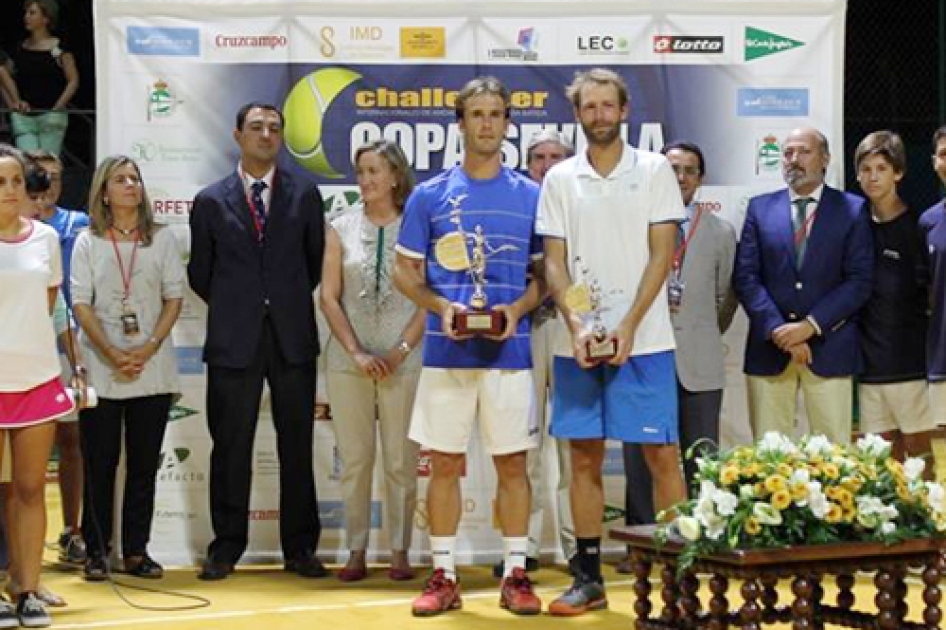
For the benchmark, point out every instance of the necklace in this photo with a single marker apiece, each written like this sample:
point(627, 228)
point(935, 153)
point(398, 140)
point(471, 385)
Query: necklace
point(124, 232)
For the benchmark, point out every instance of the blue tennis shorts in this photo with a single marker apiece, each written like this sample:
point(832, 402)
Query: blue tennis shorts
point(636, 402)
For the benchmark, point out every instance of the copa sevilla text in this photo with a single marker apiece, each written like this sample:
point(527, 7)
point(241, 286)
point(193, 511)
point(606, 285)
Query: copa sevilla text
point(421, 141)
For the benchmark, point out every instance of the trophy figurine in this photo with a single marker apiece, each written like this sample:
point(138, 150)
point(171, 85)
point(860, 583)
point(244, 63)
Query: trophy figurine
point(584, 298)
point(462, 251)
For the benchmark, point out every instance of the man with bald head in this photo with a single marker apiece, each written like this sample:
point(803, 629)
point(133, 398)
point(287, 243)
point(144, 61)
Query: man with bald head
point(803, 271)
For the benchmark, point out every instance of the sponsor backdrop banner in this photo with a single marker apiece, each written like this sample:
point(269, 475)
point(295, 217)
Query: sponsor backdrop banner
point(734, 77)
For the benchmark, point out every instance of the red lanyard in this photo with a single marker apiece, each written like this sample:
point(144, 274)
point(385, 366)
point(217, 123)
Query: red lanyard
point(126, 278)
point(682, 247)
point(802, 232)
point(249, 201)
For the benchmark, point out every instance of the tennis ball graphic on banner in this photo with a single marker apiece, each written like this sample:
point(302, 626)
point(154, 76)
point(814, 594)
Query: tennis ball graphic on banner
point(304, 112)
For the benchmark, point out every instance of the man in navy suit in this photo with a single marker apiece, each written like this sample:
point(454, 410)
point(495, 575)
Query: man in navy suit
point(803, 271)
point(256, 257)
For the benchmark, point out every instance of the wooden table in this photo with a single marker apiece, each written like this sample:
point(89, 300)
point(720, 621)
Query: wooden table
point(760, 571)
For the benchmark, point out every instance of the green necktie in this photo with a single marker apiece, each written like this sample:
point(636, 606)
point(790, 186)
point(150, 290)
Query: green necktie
point(801, 232)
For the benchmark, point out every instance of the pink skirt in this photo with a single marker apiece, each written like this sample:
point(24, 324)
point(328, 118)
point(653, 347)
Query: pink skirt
point(43, 403)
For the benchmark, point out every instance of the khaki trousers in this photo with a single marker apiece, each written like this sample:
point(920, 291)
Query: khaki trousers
point(537, 463)
point(357, 402)
point(828, 402)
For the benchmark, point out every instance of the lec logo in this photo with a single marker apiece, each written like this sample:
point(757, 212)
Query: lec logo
point(592, 43)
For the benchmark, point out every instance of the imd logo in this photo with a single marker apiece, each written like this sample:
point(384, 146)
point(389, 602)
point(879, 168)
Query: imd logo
point(304, 111)
point(761, 43)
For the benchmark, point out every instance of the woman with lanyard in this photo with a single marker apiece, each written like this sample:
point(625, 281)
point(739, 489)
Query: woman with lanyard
point(31, 394)
point(127, 288)
point(372, 363)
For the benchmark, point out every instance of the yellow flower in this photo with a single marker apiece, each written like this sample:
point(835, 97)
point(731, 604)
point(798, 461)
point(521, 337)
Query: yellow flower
point(774, 483)
point(832, 492)
point(752, 469)
point(848, 513)
point(845, 498)
point(852, 484)
point(760, 490)
point(784, 469)
point(893, 465)
point(904, 493)
point(834, 514)
point(799, 491)
point(781, 499)
point(753, 527)
point(729, 474)
point(830, 470)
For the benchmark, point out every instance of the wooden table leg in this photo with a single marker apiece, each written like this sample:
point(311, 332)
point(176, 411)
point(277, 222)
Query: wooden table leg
point(689, 600)
point(803, 608)
point(670, 593)
point(845, 591)
point(932, 615)
point(769, 598)
point(750, 614)
point(718, 605)
point(642, 606)
point(900, 594)
point(886, 600)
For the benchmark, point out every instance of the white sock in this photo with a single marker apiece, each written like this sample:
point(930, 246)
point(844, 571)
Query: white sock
point(443, 552)
point(514, 553)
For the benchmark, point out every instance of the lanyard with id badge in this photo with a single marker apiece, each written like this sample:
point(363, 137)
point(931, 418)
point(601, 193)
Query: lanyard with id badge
point(676, 285)
point(130, 325)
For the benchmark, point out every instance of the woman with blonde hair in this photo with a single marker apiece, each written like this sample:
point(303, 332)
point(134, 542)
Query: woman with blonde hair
point(372, 362)
point(127, 288)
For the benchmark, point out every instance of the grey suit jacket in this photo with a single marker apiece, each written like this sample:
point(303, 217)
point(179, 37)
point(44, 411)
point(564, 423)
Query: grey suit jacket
point(708, 305)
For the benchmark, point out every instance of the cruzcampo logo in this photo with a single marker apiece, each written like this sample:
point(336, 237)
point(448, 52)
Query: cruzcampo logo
point(761, 43)
point(612, 513)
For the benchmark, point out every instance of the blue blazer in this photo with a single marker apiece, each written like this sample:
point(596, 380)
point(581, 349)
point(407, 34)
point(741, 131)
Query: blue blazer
point(243, 281)
point(832, 285)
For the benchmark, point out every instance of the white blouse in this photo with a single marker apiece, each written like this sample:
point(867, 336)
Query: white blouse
point(157, 275)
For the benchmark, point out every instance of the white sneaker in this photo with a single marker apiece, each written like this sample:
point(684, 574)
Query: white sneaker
point(31, 611)
point(8, 618)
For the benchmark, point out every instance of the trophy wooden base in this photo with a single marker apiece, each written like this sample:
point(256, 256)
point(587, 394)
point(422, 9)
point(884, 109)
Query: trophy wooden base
point(475, 322)
point(601, 350)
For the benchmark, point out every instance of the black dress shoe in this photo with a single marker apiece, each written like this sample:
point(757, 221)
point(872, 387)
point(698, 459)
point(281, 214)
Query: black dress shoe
point(213, 570)
point(306, 565)
point(143, 566)
point(96, 569)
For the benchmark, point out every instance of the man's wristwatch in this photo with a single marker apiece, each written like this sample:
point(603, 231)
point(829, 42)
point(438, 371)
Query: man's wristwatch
point(404, 347)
